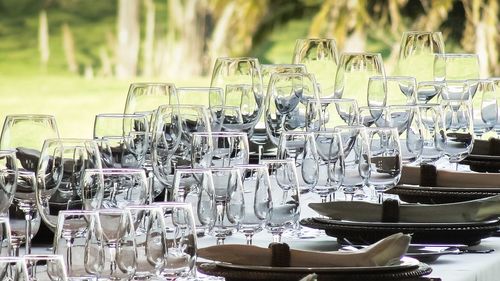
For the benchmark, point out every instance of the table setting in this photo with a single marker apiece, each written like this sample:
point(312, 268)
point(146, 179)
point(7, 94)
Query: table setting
point(323, 169)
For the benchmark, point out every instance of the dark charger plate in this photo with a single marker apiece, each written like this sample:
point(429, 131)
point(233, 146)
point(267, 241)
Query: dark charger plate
point(422, 233)
point(440, 195)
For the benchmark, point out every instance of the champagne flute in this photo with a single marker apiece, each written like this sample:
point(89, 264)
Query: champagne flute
point(353, 75)
point(385, 159)
point(320, 57)
point(416, 54)
point(285, 194)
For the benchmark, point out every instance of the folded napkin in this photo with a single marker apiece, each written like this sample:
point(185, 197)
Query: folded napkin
point(446, 178)
point(468, 211)
point(384, 252)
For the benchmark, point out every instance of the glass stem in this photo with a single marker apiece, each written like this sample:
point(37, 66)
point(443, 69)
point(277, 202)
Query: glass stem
point(249, 237)
point(324, 198)
point(220, 240)
point(28, 216)
point(276, 237)
point(69, 253)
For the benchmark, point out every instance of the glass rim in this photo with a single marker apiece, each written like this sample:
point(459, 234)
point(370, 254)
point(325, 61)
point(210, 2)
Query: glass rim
point(30, 116)
point(456, 55)
point(335, 100)
point(343, 54)
point(140, 206)
point(193, 170)
point(142, 84)
point(122, 115)
point(372, 106)
point(428, 104)
point(172, 204)
point(219, 89)
point(291, 65)
point(219, 133)
point(181, 106)
point(211, 169)
point(233, 59)
point(297, 133)
point(42, 257)
point(115, 171)
point(250, 166)
point(431, 82)
point(316, 39)
point(421, 32)
point(68, 140)
point(382, 128)
point(271, 161)
point(76, 212)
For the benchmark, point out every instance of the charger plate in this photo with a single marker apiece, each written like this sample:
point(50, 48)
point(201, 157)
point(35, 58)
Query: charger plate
point(407, 269)
point(467, 233)
point(439, 195)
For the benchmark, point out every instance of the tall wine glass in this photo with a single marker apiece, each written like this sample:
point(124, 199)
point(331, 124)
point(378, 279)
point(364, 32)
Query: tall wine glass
point(416, 54)
point(286, 103)
point(144, 98)
point(62, 163)
point(320, 56)
point(391, 90)
point(356, 160)
point(331, 163)
point(407, 120)
point(457, 129)
point(484, 105)
point(430, 114)
point(333, 112)
point(285, 194)
point(228, 197)
point(219, 149)
point(385, 159)
point(353, 73)
point(456, 67)
point(241, 80)
point(257, 203)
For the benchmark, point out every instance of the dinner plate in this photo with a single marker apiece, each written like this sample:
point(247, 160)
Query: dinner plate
point(406, 263)
point(422, 233)
point(439, 195)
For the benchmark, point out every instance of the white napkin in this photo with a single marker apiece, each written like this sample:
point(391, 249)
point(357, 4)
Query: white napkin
point(384, 252)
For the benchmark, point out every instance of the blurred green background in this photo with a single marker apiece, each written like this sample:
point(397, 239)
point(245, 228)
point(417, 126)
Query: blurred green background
point(76, 58)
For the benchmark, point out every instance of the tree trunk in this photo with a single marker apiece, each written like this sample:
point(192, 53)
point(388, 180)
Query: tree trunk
point(69, 48)
point(149, 39)
point(127, 49)
point(43, 38)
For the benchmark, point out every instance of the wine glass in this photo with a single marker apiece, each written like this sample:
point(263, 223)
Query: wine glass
point(45, 267)
point(269, 69)
point(228, 199)
point(115, 125)
point(180, 241)
point(428, 90)
point(226, 118)
point(62, 163)
point(257, 203)
point(370, 116)
point(385, 159)
point(356, 160)
point(206, 96)
point(13, 269)
point(301, 147)
point(391, 90)
point(484, 106)
point(320, 57)
point(5, 237)
point(333, 112)
point(196, 187)
point(285, 194)
point(416, 54)
point(241, 80)
point(116, 238)
point(353, 73)
point(286, 103)
point(70, 239)
point(430, 114)
point(455, 90)
point(8, 179)
point(407, 120)
point(457, 129)
point(114, 188)
point(456, 67)
point(219, 149)
point(331, 163)
point(144, 98)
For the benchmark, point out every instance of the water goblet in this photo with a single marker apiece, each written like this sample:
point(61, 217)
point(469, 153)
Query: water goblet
point(145, 98)
point(330, 163)
point(62, 163)
point(353, 73)
point(430, 114)
point(320, 57)
point(285, 194)
point(219, 149)
point(115, 125)
point(391, 90)
point(257, 203)
point(385, 159)
point(407, 120)
point(416, 54)
point(333, 112)
point(45, 267)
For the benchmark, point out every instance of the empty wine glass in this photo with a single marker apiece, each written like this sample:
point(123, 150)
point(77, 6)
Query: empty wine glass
point(333, 112)
point(114, 188)
point(285, 194)
point(407, 120)
point(257, 203)
point(391, 90)
point(353, 73)
point(241, 80)
point(484, 105)
point(320, 56)
point(180, 241)
point(5, 237)
point(206, 96)
point(457, 129)
point(430, 114)
point(228, 199)
point(144, 98)
point(456, 67)
point(219, 149)
point(8, 179)
point(416, 54)
point(116, 125)
point(286, 103)
point(427, 90)
point(356, 160)
point(301, 147)
point(62, 163)
point(45, 267)
point(385, 159)
point(226, 118)
point(455, 90)
point(70, 239)
point(372, 116)
point(196, 187)
point(13, 269)
point(331, 163)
